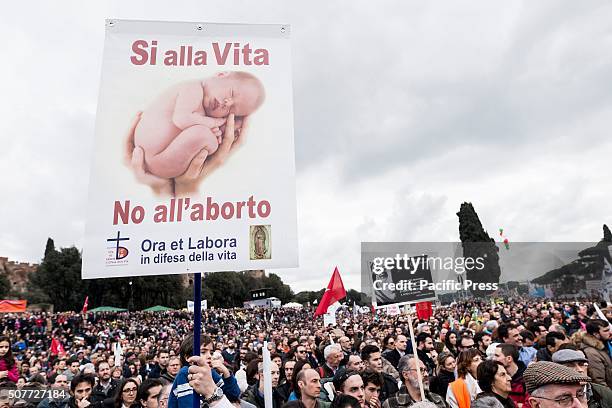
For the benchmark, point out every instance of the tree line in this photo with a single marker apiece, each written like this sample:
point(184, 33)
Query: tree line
point(58, 282)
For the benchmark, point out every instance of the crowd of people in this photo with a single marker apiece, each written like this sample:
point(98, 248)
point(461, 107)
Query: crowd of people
point(518, 353)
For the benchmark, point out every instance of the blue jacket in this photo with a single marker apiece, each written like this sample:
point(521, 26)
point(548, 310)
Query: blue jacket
point(181, 394)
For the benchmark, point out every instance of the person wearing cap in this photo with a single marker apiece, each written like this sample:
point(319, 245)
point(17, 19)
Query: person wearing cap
point(349, 382)
point(598, 396)
point(552, 385)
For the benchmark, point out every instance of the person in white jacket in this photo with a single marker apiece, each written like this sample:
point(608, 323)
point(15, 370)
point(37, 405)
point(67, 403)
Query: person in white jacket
point(465, 388)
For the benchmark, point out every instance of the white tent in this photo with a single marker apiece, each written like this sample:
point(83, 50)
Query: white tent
point(293, 305)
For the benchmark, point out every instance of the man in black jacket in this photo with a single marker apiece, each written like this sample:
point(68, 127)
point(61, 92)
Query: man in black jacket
point(370, 355)
point(393, 356)
point(106, 385)
point(425, 344)
point(81, 392)
point(163, 357)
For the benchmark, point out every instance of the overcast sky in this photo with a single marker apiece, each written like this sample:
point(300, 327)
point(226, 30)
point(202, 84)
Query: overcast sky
point(403, 110)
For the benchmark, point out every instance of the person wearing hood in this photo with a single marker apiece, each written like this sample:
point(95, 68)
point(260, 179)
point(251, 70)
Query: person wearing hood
point(594, 344)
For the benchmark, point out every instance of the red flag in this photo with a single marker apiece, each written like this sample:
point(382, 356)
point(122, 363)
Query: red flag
point(85, 305)
point(335, 291)
point(424, 310)
point(56, 347)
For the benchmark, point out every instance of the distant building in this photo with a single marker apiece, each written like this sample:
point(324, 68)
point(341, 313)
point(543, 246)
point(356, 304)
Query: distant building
point(18, 273)
point(257, 274)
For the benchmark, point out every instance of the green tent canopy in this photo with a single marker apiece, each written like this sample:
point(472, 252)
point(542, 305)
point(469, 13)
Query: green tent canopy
point(158, 308)
point(107, 309)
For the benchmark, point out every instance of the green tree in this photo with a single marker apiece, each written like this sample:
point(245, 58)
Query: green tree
point(308, 296)
point(59, 278)
point(58, 281)
point(278, 288)
point(361, 298)
point(50, 247)
point(478, 244)
point(5, 286)
point(224, 289)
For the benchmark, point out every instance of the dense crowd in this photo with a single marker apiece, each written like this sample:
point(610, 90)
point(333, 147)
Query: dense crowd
point(468, 354)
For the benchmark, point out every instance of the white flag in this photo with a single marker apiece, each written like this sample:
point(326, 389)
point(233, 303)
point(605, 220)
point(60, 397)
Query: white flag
point(117, 352)
point(267, 376)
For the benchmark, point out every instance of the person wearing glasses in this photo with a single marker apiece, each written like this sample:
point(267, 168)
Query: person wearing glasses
point(162, 397)
point(552, 385)
point(301, 353)
point(410, 392)
point(466, 342)
point(125, 396)
point(598, 396)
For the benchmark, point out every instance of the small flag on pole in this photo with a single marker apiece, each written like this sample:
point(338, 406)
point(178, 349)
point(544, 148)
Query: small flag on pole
point(84, 310)
point(56, 347)
point(334, 292)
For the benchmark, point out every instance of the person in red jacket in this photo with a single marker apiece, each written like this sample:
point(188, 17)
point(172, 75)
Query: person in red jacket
point(8, 367)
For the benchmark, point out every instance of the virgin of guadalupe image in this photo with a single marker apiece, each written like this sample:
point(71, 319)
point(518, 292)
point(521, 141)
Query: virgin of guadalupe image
point(260, 243)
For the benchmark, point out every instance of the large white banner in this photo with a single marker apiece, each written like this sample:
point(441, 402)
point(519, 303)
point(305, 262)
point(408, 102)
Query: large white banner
point(193, 167)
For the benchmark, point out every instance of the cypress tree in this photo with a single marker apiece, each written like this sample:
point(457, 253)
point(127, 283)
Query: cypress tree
point(50, 247)
point(478, 244)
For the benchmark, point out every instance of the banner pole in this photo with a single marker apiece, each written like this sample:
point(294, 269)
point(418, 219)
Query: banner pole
point(267, 376)
point(417, 366)
point(197, 324)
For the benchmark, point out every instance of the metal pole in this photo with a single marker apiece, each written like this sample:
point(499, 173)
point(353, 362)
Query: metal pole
point(197, 324)
point(415, 353)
